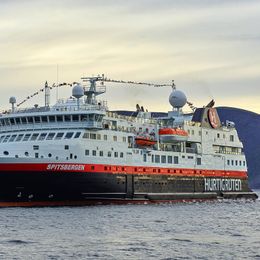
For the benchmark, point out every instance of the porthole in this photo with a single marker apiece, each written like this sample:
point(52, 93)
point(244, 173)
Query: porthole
point(6, 153)
point(49, 155)
point(26, 154)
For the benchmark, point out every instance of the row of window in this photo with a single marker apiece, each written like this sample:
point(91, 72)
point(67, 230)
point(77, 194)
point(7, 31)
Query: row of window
point(95, 136)
point(101, 154)
point(236, 162)
point(38, 136)
point(49, 119)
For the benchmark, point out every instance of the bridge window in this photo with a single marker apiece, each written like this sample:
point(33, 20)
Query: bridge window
point(59, 136)
point(12, 138)
point(34, 137)
point(52, 119)
point(75, 118)
point(2, 138)
point(86, 135)
point(37, 119)
point(93, 136)
point(59, 118)
point(6, 138)
point(50, 136)
point(77, 135)
point(12, 121)
point(30, 120)
point(18, 121)
point(42, 136)
point(67, 118)
point(68, 135)
point(98, 136)
point(26, 137)
point(44, 119)
point(19, 138)
point(24, 121)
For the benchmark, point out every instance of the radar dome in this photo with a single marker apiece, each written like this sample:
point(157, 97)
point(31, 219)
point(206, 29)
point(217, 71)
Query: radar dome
point(12, 100)
point(177, 99)
point(77, 91)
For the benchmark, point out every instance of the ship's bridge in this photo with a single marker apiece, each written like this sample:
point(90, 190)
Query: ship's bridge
point(63, 115)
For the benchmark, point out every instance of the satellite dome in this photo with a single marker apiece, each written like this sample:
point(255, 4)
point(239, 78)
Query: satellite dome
point(12, 100)
point(177, 99)
point(77, 91)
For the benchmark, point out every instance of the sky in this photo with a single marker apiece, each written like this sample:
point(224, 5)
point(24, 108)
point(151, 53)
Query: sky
point(211, 48)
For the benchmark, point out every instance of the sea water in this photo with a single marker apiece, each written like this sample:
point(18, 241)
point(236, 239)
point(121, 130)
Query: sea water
point(227, 229)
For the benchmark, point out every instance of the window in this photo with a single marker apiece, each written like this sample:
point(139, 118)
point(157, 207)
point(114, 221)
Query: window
point(232, 162)
point(105, 137)
point(36, 147)
point(12, 121)
point(109, 154)
point(152, 158)
point(75, 118)
point(59, 136)
point(163, 159)
point(98, 136)
point(36, 155)
point(236, 163)
point(121, 155)
point(190, 157)
point(44, 119)
point(228, 162)
point(157, 158)
point(24, 121)
point(42, 136)
point(30, 120)
point(192, 132)
point(77, 135)
point(114, 138)
point(244, 163)
point(50, 136)
point(19, 138)
point(218, 135)
point(86, 135)
point(101, 153)
point(59, 118)
point(6, 138)
point(93, 136)
point(67, 118)
point(49, 155)
point(231, 138)
point(66, 147)
point(26, 137)
point(6, 153)
point(2, 138)
point(17, 120)
point(116, 154)
point(169, 159)
point(94, 152)
point(68, 135)
point(124, 139)
point(52, 119)
point(240, 163)
point(176, 159)
point(198, 161)
point(144, 157)
point(37, 119)
point(12, 138)
point(87, 152)
point(26, 154)
point(34, 137)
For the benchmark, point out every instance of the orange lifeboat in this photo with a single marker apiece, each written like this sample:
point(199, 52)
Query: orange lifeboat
point(172, 135)
point(144, 141)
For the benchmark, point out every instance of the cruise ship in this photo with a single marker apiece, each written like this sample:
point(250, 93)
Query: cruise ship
point(78, 152)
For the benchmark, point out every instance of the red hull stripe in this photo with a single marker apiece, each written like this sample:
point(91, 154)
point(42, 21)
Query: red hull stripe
point(93, 202)
point(116, 169)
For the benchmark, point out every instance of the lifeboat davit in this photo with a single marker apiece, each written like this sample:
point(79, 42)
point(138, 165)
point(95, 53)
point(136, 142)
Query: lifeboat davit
point(144, 141)
point(172, 135)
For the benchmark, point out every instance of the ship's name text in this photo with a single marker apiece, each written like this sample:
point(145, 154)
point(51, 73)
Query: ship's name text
point(66, 167)
point(222, 184)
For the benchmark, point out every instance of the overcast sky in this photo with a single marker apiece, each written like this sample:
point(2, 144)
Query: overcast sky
point(210, 48)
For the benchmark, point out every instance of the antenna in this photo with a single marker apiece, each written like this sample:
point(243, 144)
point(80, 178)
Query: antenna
point(47, 94)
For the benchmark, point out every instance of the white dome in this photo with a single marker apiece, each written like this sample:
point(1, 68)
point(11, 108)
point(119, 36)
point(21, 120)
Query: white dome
point(177, 99)
point(12, 100)
point(77, 91)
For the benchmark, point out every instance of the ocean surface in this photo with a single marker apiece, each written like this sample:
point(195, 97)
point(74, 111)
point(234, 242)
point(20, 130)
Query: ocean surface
point(209, 230)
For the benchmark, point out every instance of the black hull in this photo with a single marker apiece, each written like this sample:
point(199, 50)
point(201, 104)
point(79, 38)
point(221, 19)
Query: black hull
point(60, 189)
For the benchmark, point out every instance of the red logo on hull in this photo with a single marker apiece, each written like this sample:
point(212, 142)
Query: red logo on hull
point(213, 119)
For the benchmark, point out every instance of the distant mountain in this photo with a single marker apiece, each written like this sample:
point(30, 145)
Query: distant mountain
point(248, 127)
